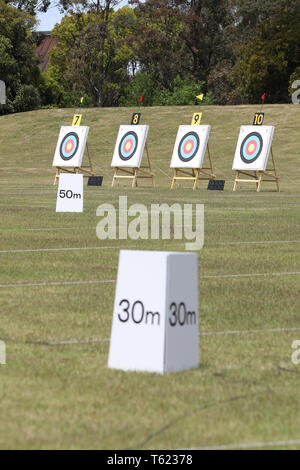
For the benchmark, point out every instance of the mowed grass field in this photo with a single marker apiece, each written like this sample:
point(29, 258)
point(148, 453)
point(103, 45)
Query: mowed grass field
point(59, 393)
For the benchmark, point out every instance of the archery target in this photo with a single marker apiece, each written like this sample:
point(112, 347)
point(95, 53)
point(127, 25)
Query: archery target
point(253, 148)
point(130, 146)
point(70, 146)
point(190, 147)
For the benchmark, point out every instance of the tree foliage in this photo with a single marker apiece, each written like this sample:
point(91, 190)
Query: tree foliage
point(167, 50)
point(18, 67)
point(91, 57)
point(269, 58)
point(30, 6)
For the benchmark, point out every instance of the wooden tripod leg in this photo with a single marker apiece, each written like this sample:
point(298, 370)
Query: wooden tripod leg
point(210, 163)
point(56, 176)
point(174, 179)
point(275, 171)
point(236, 182)
point(90, 160)
point(114, 178)
point(149, 165)
point(260, 182)
point(257, 181)
point(135, 176)
point(196, 179)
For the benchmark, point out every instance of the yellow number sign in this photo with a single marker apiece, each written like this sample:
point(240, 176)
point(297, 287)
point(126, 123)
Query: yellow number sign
point(196, 119)
point(135, 120)
point(258, 119)
point(77, 119)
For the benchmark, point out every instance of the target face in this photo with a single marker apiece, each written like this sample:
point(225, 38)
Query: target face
point(253, 148)
point(130, 146)
point(70, 146)
point(190, 146)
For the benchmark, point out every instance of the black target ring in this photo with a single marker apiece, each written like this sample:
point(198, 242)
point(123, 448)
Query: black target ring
point(251, 147)
point(188, 146)
point(128, 145)
point(69, 146)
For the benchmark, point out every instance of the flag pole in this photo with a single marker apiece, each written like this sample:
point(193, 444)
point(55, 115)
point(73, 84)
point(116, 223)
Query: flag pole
point(262, 101)
point(140, 100)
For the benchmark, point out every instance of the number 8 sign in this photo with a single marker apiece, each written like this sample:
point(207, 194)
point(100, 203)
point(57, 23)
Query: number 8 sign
point(135, 120)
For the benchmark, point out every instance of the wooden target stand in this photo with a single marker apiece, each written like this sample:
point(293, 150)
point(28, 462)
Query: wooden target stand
point(135, 173)
point(258, 177)
point(196, 174)
point(86, 170)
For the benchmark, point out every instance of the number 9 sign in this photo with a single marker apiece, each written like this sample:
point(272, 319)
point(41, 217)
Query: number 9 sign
point(196, 119)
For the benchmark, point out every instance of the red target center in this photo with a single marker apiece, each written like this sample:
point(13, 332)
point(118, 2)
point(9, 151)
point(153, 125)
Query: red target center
point(251, 147)
point(188, 146)
point(69, 145)
point(127, 146)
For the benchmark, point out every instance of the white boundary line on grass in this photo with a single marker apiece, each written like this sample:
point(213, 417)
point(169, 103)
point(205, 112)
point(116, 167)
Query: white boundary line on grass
point(217, 276)
point(225, 276)
point(204, 333)
point(86, 248)
point(242, 332)
point(250, 445)
point(42, 250)
point(57, 283)
point(258, 242)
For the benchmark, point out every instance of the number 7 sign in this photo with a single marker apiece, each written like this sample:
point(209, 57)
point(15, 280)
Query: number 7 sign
point(77, 119)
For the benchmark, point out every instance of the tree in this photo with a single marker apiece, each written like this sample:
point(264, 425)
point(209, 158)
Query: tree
point(157, 44)
point(180, 38)
point(248, 14)
point(18, 66)
point(103, 9)
point(244, 19)
point(268, 59)
point(30, 6)
point(91, 57)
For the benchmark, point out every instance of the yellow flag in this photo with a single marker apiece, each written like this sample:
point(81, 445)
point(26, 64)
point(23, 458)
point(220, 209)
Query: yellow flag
point(200, 97)
point(81, 100)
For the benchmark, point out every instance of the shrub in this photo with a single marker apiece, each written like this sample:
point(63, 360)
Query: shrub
point(27, 99)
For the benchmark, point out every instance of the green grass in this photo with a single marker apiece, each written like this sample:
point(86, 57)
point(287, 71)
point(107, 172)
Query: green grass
point(246, 389)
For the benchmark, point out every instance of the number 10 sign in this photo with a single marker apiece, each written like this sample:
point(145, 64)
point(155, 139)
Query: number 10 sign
point(155, 320)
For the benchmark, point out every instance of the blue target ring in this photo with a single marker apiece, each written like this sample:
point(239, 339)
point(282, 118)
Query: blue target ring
point(251, 147)
point(69, 146)
point(188, 146)
point(128, 145)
